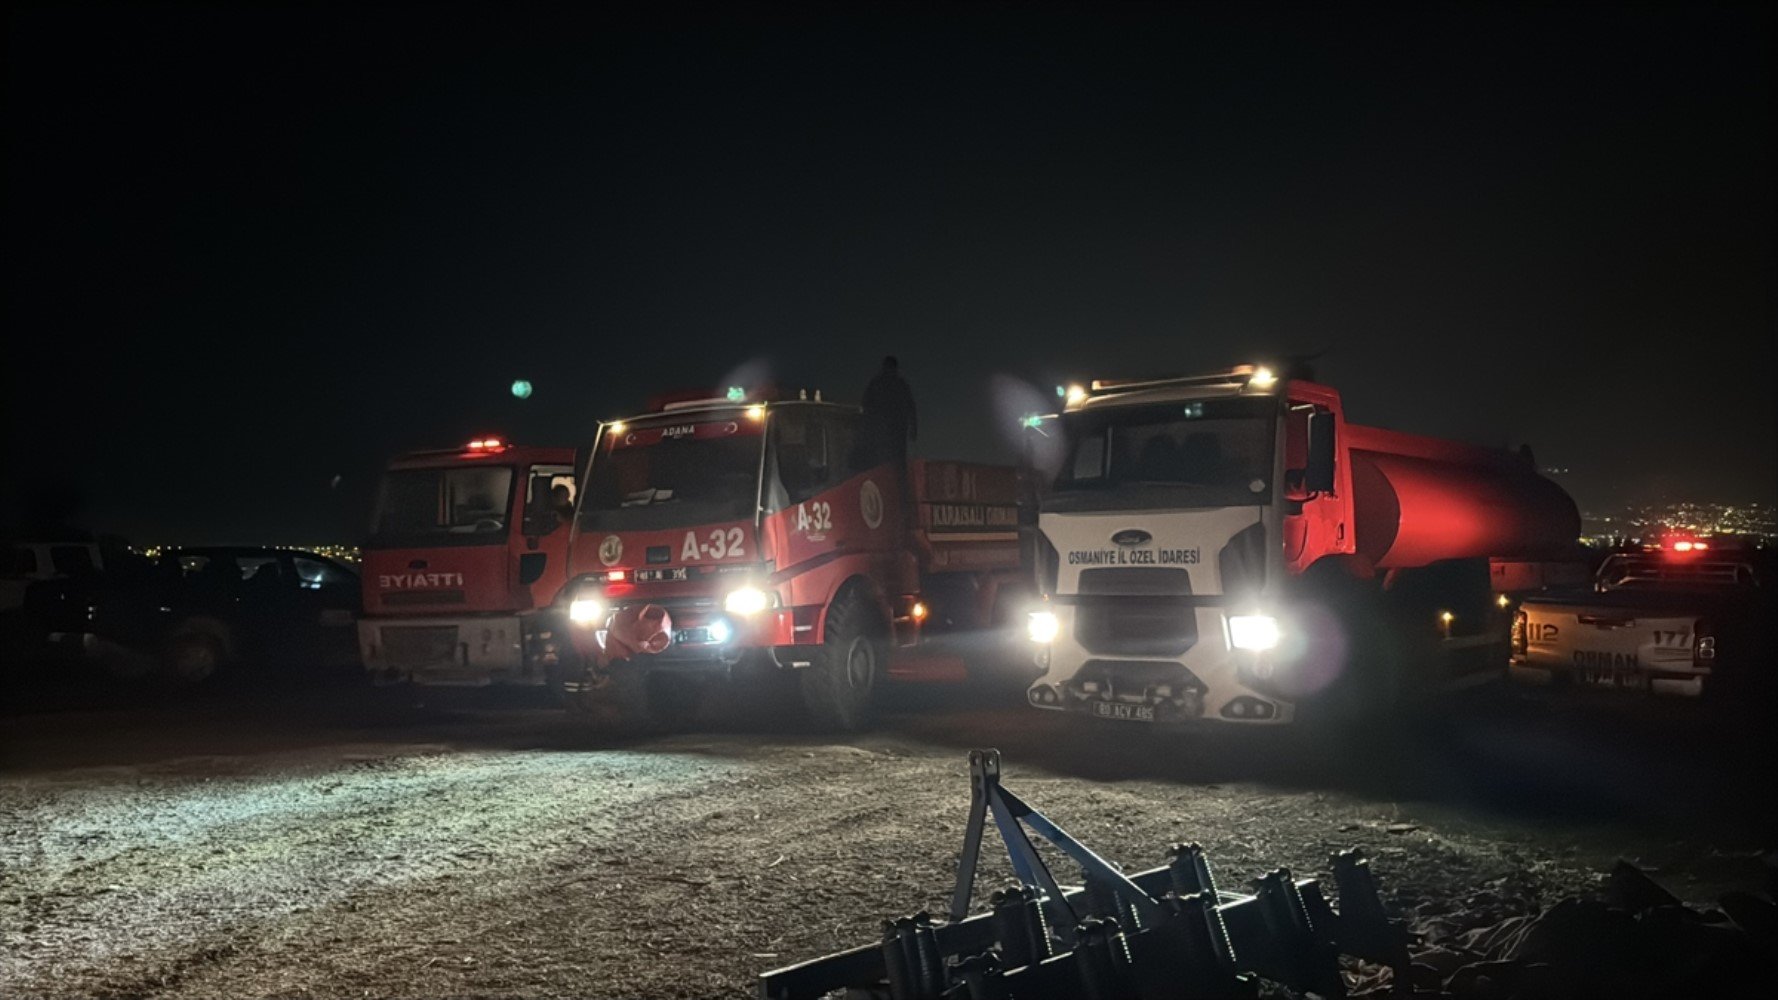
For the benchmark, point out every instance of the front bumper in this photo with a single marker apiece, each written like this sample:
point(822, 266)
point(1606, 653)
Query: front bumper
point(463, 651)
point(702, 635)
point(1208, 682)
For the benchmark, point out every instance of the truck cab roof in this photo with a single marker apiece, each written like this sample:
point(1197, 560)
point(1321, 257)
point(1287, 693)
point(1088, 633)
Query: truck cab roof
point(1242, 380)
point(714, 408)
point(491, 450)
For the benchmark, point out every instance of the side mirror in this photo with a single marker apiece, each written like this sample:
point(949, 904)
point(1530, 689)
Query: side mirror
point(1319, 476)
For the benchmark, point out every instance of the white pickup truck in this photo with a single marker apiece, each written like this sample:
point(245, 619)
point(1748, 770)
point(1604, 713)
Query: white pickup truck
point(1660, 620)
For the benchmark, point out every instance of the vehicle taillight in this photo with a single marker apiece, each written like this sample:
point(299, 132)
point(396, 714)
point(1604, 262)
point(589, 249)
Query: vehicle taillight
point(1703, 644)
point(1521, 639)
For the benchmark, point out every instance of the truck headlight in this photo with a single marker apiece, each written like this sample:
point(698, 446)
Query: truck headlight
point(746, 601)
point(588, 610)
point(1253, 633)
point(1043, 627)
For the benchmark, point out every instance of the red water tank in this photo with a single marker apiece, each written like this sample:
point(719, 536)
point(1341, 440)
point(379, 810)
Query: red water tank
point(1419, 500)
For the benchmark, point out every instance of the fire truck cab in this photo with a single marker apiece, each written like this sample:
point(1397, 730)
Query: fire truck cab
point(467, 546)
point(714, 533)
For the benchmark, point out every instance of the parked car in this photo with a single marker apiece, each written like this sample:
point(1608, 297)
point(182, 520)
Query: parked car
point(25, 563)
point(198, 611)
point(44, 588)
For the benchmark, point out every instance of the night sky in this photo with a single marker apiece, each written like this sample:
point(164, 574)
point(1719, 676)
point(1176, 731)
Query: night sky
point(250, 251)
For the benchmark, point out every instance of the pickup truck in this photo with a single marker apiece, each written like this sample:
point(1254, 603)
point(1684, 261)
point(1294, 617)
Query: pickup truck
point(1666, 619)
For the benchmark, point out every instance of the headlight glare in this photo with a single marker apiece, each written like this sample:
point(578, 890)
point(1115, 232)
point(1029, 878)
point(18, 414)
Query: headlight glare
point(746, 601)
point(588, 610)
point(1253, 633)
point(1043, 627)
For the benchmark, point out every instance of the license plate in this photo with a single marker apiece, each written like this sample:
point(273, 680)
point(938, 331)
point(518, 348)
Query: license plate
point(1629, 680)
point(1129, 713)
point(674, 575)
point(692, 636)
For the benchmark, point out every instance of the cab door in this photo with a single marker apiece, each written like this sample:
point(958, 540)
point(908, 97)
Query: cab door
point(548, 511)
point(829, 513)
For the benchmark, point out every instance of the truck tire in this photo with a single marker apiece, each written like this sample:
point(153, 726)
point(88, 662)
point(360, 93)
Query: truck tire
point(630, 699)
point(192, 658)
point(1369, 689)
point(839, 688)
point(673, 702)
point(615, 700)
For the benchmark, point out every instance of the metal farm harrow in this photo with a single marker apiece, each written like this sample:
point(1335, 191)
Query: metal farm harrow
point(1163, 933)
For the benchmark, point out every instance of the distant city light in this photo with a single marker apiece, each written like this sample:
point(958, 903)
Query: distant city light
point(1639, 522)
point(342, 553)
point(521, 388)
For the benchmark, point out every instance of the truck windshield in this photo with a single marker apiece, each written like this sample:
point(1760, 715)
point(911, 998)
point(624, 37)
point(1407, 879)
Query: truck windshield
point(1197, 453)
point(454, 505)
point(673, 475)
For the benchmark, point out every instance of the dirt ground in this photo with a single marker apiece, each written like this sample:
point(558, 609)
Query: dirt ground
point(288, 842)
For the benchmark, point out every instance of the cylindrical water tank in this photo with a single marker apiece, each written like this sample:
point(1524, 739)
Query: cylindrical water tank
point(1415, 509)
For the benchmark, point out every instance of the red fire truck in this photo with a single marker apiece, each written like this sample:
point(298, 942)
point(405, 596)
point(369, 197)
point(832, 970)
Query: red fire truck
point(467, 546)
point(718, 536)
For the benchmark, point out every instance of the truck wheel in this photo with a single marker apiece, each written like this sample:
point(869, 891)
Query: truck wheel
point(1369, 688)
point(630, 699)
point(673, 702)
point(190, 659)
point(837, 689)
point(615, 699)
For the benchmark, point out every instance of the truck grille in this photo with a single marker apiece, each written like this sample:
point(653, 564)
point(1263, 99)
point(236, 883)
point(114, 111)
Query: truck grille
point(419, 647)
point(1136, 626)
point(1137, 677)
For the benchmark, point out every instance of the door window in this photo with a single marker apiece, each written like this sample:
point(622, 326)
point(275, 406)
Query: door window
point(549, 498)
point(801, 453)
point(73, 560)
point(259, 571)
point(313, 574)
point(846, 455)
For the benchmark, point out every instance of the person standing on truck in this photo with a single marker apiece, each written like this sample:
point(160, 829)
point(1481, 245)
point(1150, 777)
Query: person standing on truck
point(889, 416)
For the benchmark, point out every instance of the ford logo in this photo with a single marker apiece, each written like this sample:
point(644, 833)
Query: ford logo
point(1131, 536)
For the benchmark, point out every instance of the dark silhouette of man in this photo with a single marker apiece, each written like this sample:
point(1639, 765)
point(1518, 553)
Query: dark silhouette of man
point(889, 414)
